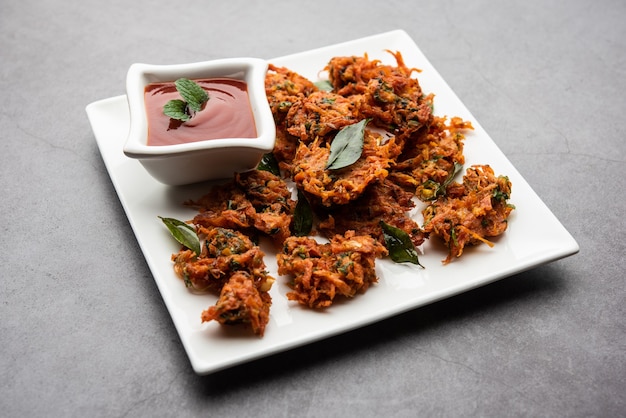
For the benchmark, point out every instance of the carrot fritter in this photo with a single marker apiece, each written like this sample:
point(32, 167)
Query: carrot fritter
point(320, 114)
point(283, 88)
point(256, 200)
point(427, 160)
point(388, 94)
point(224, 251)
point(241, 302)
point(321, 272)
point(346, 184)
point(350, 75)
point(284, 150)
point(224, 206)
point(271, 200)
point(384, 201)
point(471, 211)
point(233, 266)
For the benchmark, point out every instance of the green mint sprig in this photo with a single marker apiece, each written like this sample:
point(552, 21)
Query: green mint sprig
point(194, 97)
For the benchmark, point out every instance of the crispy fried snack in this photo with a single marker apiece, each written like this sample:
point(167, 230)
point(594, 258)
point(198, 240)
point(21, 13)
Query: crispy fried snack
point(271, 200)
point(381, 201)
point(407, 151)
point(257, 200)
point(471, 211)
point(285, 149)
point(224, 251)
point(224, 206)
point(233, 266)
point(241, 302)
point(350, 75)
point(390, 96)
point(321, 272)
point(341, 186)
point(283, 88)
point(428, 159)
point(320, 114)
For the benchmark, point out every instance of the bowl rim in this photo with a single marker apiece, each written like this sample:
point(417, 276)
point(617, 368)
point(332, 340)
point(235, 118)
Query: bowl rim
point(248, 69)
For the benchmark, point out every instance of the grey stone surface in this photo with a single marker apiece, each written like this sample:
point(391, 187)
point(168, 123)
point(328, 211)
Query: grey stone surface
point(84, 331)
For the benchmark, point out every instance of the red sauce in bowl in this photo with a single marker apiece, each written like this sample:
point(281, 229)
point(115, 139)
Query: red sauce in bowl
point(227, 114)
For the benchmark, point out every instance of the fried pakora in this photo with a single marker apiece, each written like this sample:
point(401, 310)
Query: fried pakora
point(241, 302)
point(470, 212)
point(256, 200)
point(224, 251)
point(427, 160)
point(321, 272)
point(388, 94)
point(384, 201)
point(321, 113)
point(283, 88)
point(344, 185)
point(231, 265)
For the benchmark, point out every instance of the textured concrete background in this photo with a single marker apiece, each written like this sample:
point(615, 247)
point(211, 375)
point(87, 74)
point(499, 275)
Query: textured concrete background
point(84, 331)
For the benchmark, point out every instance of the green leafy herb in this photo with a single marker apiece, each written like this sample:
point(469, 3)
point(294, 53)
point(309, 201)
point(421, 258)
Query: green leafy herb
point(347, 146)
point(324, 85)
point(500, 195)
point(194, 97)
point(183, 233)
point(177, 109)
point(455, 241)
point(268, 163)
point(432, 190)
point(429, 190)
point(302, 216)
point(192, 93)
point(399, 244)
point(456, 169)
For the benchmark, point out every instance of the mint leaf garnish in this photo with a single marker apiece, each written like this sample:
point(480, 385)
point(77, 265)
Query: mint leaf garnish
point(194, 97)
point(176, 109)
point(192, 93)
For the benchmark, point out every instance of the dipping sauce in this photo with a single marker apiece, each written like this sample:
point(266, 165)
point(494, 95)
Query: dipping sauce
point(227, 114)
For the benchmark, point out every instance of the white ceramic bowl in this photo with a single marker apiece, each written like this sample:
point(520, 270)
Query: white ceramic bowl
point(208, 159)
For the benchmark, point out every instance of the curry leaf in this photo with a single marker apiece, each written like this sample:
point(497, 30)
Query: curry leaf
point(268, 163)
point(302, 216)
point(183, 233)
point(192, 93)
point(347, 146)
point(399, 244)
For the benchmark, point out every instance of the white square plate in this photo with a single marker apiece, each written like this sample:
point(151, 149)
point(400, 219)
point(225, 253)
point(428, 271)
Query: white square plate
point(534, 236)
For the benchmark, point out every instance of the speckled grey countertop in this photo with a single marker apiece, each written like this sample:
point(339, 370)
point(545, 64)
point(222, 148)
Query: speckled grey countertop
point(84, 330)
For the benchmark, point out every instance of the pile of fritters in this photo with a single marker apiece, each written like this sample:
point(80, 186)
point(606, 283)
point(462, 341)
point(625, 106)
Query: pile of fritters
point(231, 265)
point(405, 147)
point(408, 153)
